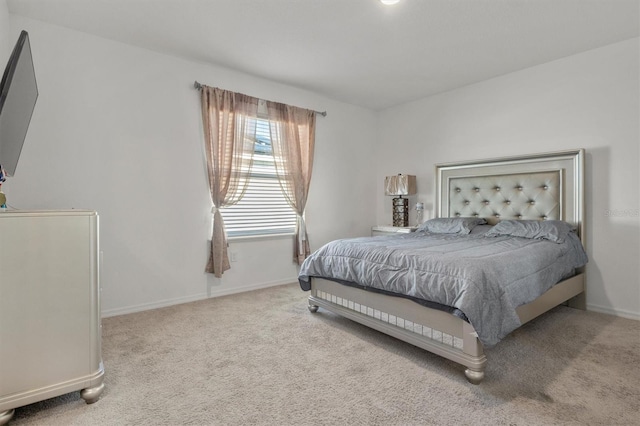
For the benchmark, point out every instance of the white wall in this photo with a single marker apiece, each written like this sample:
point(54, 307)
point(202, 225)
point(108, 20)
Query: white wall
point(4, 34)
point(118, 129)
point(589, 100)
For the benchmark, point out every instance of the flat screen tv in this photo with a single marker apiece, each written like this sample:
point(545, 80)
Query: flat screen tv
point(18, 95)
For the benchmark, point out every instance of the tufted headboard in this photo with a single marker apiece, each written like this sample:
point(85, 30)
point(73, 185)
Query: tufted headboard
point(539, 187)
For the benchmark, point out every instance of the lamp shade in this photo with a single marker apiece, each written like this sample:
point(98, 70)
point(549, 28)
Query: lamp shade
point(400, 185)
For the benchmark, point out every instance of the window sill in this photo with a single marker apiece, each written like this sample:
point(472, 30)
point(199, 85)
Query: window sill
point(259, 237)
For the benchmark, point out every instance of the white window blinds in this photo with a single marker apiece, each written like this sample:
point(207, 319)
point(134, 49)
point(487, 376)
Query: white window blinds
point(263, 209)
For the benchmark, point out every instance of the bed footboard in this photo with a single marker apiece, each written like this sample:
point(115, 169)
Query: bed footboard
point(435, 331)
point(430, 329)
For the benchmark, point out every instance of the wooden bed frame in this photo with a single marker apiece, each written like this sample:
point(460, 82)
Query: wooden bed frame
point(542, 186)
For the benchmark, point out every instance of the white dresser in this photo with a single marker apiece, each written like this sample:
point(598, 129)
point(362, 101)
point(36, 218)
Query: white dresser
point(50, 331)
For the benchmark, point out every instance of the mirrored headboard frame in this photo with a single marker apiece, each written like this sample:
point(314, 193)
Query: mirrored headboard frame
point(538, 186)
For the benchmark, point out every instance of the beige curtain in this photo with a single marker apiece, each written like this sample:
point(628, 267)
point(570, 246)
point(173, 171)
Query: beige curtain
point(229, 130)
point(293, 139)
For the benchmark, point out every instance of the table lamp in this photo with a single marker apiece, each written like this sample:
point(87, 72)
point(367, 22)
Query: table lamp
point(398, 186)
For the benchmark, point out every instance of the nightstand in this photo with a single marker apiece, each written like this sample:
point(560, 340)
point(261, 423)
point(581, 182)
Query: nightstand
point(388, 230)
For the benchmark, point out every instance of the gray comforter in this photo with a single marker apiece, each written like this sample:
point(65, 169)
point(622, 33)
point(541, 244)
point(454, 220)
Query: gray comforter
point(486, 278)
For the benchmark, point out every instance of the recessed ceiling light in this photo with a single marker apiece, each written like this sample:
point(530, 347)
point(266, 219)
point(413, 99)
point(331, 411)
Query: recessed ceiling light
point(389, 2)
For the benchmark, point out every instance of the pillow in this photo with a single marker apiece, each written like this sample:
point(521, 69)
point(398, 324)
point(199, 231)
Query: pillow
point(552, 230)
point(451, 225)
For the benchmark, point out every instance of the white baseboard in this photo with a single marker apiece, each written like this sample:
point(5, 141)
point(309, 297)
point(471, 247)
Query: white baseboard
point(234, 290)
point(228, 291)
point(153, 305)
point(615, 312)
point(193, 298)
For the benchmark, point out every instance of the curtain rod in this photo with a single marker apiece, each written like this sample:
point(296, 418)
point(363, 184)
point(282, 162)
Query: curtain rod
point(198, 86)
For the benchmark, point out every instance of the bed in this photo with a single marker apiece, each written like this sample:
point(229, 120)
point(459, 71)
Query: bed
point(534, 189)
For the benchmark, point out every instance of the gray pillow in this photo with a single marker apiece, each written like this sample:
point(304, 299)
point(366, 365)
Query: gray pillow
point(451, 225)
point(552, 230)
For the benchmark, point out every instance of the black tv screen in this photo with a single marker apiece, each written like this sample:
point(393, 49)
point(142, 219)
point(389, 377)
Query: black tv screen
point(18, 95)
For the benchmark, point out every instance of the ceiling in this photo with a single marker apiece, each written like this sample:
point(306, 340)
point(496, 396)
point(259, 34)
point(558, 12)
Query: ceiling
point(356, 51)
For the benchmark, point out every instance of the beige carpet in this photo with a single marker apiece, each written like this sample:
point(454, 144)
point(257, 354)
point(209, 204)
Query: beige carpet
point(262, 358)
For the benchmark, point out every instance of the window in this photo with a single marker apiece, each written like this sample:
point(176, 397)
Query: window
point(263, 210)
